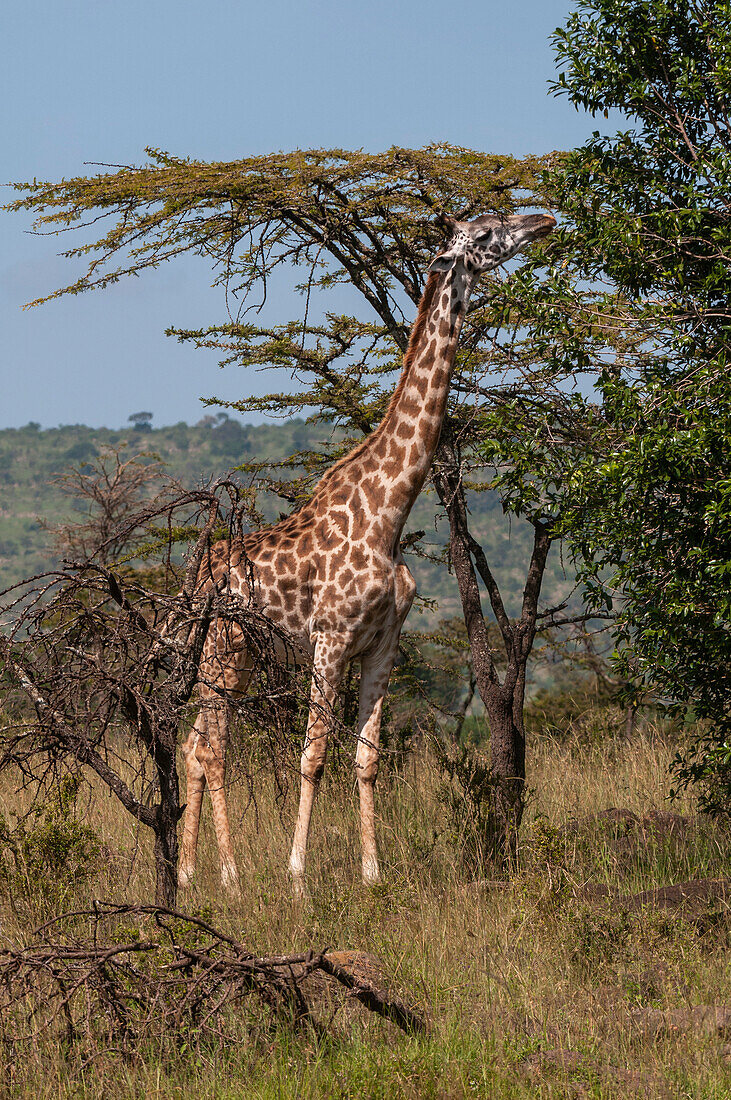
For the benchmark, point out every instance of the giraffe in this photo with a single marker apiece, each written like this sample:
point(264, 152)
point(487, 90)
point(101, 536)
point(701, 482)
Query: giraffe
point(331, 575)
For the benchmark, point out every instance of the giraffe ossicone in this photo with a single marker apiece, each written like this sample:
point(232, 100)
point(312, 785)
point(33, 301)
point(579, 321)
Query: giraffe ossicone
point(331, 575)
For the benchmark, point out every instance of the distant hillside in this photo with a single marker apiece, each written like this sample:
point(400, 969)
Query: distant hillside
point(30, 458)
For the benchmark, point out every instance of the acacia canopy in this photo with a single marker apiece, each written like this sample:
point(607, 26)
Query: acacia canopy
point(373, 222)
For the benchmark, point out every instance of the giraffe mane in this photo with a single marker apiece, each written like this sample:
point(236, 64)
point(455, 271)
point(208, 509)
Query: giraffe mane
point(417, 332)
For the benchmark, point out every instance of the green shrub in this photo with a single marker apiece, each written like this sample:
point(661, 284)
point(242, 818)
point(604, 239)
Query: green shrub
point(49, 847)
point(581, 709)
point(466, 794)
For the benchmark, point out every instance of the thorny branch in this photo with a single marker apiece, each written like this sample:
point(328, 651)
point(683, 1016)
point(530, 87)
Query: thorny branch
point(124, 974)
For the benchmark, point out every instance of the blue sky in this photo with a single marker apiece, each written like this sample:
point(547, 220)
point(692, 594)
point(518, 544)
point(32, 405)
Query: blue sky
point(94, 81)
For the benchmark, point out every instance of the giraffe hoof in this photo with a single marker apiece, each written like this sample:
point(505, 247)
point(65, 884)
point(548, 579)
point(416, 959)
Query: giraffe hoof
point(230, 877)
point(185, 876)
point(371, 874)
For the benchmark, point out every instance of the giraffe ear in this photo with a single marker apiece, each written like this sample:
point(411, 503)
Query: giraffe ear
point(443, 262)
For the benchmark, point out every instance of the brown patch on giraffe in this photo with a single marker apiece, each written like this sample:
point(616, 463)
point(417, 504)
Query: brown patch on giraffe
point(265, 575)
point(394, 466)
point(432, 407)
point(335, 563)
point(410, 407)
point(290, 599)
point(401, 497)
point(359, 559)
point(415, 454)
point(375, 534)
point(373, 492)
point(304, 546)
point(380, 446)
point(303, 571)
point(405, 430)
point(285, 563)
point(339, 497)
point(341, 521)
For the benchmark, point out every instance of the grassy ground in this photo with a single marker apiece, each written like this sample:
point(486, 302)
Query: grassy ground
point(535, 986)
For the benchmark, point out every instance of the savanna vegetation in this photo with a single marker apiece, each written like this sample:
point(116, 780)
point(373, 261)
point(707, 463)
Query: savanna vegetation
point(569, 977)
point(550, 924)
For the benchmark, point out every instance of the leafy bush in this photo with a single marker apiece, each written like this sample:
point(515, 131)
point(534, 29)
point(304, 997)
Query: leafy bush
point(582, 708)
point(49, 846)
point(467, 794)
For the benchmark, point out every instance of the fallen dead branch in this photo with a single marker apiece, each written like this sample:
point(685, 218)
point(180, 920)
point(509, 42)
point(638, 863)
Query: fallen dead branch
point(120, 976)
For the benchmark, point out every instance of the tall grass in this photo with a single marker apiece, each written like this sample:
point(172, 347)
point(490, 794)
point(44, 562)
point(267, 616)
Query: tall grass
point(533, 987)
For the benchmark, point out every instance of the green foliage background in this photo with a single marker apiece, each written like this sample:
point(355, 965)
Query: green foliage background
point(30, 460)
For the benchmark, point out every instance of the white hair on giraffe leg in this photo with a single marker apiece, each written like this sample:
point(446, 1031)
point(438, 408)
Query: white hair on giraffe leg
point(185, 875)
point(229, 875)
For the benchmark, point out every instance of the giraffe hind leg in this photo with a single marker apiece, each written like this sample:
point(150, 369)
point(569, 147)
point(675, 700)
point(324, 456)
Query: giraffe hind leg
point(374, 677)
point(225, 673)
point(213, 757)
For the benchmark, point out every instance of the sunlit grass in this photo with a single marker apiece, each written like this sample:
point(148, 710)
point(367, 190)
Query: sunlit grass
point(506, 967)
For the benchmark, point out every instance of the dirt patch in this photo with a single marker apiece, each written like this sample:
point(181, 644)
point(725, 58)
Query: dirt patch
point(688, 898)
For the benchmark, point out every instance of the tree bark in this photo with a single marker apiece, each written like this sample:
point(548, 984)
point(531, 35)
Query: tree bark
point(167, 815)
point(503, 700)
point(507, 763)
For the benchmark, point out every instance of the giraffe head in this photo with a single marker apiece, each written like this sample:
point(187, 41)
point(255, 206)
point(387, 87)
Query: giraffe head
point(488, 241)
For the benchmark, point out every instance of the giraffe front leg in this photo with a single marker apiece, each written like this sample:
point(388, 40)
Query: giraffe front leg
point(195, 784)
point(329, 663)
point(374, 676)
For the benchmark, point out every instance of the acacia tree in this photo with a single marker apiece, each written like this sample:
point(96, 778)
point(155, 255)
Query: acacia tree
point(648, 209)
point(372, 223)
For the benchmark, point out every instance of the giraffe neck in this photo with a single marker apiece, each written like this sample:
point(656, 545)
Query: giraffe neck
point(405, 441)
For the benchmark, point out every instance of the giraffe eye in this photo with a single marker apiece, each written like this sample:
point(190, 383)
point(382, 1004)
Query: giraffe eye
point(483, 237)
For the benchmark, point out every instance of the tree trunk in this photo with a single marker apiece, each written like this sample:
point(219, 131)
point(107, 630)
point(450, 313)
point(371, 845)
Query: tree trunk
point(167, 815)
point(507, 763)
point(503, 700)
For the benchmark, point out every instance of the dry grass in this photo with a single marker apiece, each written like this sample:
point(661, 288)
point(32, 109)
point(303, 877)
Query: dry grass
point(534, 987)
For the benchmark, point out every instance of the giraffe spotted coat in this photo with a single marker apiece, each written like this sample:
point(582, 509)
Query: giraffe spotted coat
point(331, 575)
